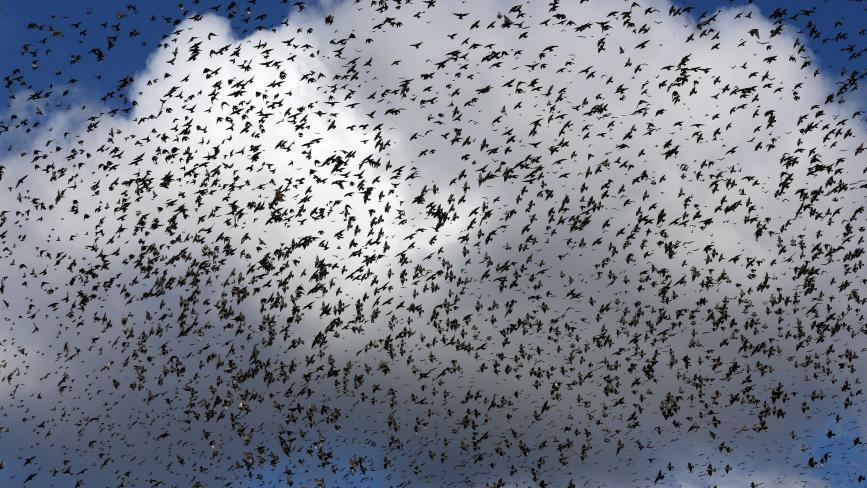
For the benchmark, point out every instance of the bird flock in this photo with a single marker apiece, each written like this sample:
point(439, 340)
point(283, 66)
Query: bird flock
point(438, 243)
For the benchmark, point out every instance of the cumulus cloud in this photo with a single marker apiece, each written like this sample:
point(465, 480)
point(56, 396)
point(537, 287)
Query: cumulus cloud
point(464, 243)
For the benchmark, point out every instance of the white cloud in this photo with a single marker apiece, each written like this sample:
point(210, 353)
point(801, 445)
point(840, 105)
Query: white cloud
point(531, 113)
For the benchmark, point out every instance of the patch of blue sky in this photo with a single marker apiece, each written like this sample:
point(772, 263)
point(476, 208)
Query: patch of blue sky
point(834, 30)
point(56, 45)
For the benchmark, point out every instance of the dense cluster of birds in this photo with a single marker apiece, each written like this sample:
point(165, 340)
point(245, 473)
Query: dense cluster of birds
point(439, 243)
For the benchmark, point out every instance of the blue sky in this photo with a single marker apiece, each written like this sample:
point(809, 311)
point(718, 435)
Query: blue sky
point(826, 14)
point(44, 27)
point(48, 32)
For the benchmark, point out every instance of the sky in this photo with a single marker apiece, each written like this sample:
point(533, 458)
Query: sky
point(56, 33)
point(144, 25)
point(431, 244)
